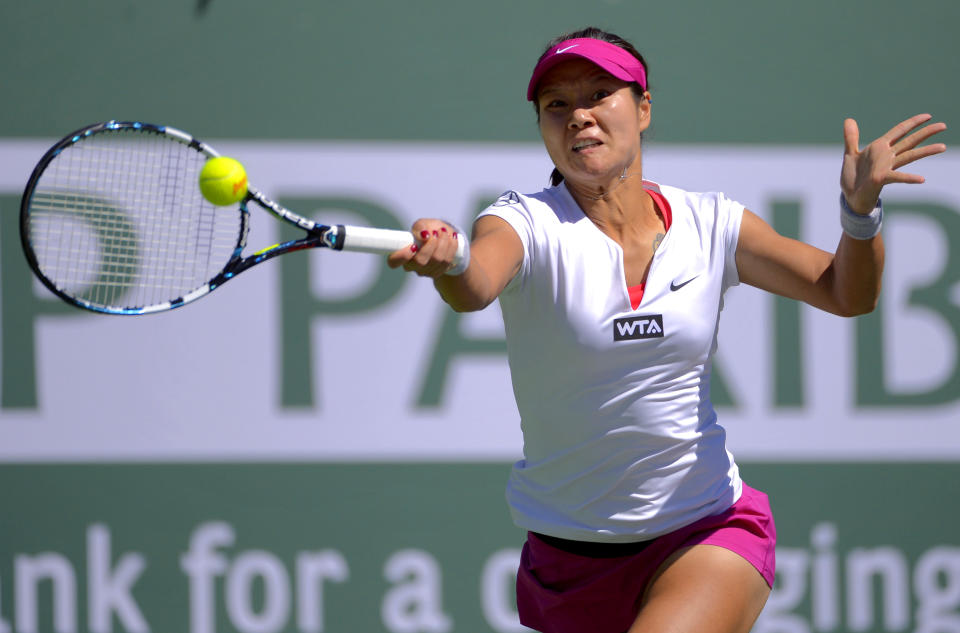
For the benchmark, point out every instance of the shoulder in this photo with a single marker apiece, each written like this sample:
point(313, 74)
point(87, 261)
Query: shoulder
point(698, 201)
point(545, 207)
point(703, 209)
point(547, 199)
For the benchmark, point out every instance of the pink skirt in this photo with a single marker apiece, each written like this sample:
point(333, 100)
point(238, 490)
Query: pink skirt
point(561, 592)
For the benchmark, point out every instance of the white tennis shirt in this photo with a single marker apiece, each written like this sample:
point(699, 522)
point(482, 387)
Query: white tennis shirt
point(621, 441)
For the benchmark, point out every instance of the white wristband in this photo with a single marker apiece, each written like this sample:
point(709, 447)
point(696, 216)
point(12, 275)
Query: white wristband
point(857, 225)
point(463, 253)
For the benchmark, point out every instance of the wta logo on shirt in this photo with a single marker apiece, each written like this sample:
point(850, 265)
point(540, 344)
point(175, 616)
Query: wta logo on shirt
point(638, 327)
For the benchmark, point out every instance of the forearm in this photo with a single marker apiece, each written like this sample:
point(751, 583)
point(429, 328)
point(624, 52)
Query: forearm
point(858, 263)
point(496, 257)
point(857, 269)
point(493, 258)
point(468, 292)
point(845, 282)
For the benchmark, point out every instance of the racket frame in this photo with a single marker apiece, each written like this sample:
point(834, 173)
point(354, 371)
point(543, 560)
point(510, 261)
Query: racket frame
point(336, 237)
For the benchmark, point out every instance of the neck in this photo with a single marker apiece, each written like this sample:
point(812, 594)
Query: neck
point(619, 198)
point(603, 193)
point(630, 177)
point(625, 206)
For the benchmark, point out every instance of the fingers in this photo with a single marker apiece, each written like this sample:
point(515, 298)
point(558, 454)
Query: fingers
point(912, 140)
point(903, 128)
point(866, 172)
point(432, 254)
point(907, 157)
point(435, 253)
point(851, 137)
point(906, 150)
point(400, 257)
point(903, 178)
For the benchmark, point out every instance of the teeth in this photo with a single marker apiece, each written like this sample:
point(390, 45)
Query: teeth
point(588, 143)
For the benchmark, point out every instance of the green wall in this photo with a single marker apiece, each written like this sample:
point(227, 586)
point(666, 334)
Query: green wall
point(753, 71)
point(853, 554)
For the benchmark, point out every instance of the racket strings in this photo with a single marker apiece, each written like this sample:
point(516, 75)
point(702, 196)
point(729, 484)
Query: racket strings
point(117, 220)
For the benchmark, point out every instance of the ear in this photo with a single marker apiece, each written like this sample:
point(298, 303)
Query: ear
point(643, 110)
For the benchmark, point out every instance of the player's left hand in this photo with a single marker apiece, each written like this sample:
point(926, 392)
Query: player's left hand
point(865, 172)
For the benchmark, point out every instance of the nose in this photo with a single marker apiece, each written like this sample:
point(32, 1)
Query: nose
point(581, 117)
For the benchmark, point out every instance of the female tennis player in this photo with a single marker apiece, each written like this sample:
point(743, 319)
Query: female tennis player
point(611, 288)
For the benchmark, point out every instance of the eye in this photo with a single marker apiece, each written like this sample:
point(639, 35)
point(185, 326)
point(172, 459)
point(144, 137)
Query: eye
point(601, 94)
point(554, 104)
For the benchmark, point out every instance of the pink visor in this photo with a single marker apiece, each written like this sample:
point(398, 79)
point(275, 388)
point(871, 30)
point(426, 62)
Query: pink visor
point(610, 57)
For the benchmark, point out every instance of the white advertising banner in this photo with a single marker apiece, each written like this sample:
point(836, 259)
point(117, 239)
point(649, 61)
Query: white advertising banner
point(332, 357)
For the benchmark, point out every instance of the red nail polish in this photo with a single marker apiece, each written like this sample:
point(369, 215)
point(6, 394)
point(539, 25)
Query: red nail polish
point(454, 234)
point(413, 247)
point(443, 228)
point(435, 234)
point(424, 234)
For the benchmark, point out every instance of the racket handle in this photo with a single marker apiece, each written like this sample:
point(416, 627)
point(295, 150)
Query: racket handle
point(364, 239)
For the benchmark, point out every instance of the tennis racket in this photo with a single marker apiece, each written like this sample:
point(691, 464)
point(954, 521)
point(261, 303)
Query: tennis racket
point(112, 220)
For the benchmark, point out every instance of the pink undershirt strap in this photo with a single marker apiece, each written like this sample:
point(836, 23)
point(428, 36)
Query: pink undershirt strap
point(636, 292)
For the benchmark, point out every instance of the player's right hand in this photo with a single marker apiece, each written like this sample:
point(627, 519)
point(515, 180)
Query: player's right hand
point(433, 252)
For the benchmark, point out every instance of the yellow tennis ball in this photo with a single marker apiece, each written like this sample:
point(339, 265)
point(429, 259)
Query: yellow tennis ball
point(223, 181)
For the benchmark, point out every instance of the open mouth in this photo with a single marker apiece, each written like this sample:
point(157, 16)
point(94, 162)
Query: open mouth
point(579, 146)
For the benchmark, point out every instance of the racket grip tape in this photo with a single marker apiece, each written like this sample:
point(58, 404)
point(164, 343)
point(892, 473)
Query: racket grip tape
point(364, 239)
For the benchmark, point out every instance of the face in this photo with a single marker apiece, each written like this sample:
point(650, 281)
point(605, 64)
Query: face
point(590, 122)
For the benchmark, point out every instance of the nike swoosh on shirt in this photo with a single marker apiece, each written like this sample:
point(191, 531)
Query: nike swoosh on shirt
point(674, 286)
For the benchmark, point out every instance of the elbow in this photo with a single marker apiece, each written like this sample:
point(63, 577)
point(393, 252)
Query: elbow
point(856, 311)
point(859, 308)
point(857, 300)
point(462, 297)
point(471, 305)
point(461, 308)
point(869, 307)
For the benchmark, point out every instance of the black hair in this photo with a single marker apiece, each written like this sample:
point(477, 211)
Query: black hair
point(598, 34)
